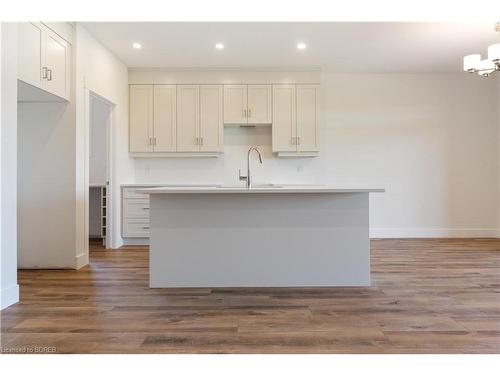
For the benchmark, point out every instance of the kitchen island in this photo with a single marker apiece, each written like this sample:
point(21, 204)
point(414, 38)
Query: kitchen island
point(269, 236)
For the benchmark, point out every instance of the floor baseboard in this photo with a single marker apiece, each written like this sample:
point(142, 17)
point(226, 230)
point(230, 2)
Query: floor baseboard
point(434, 233)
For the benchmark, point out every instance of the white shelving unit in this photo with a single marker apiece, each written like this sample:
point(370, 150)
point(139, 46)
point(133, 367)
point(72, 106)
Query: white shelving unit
point(103, 200)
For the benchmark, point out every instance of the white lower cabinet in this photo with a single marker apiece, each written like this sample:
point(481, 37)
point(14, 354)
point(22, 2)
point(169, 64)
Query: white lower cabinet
point(135, 228)
point(135, 213)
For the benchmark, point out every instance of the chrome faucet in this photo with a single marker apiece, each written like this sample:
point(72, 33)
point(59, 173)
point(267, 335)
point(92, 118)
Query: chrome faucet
point(248, 177)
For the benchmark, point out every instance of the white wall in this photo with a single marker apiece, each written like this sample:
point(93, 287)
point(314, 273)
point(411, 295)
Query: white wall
point(430, 139)
point(100, 114)
point(99, 71)
point(46, 185)
point(9, 288)
point(498, 107)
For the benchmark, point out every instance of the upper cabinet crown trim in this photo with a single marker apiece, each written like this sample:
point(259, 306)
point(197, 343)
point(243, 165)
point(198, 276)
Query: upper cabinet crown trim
point(63, 29)
point(220, 76)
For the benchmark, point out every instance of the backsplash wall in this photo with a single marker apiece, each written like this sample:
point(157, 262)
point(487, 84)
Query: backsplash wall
point(224, 170)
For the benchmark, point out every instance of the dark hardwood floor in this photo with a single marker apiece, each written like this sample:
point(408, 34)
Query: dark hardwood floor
point(427, 296)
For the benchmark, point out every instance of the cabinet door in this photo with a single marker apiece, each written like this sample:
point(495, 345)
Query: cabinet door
point(57, 60)
point(307, 117)
point(284, 118)
point(211, 125)
point(259, 104)
point(141, 118)
point(188, 117)
point(164, 124)
point(235, 104)
point(30, 53)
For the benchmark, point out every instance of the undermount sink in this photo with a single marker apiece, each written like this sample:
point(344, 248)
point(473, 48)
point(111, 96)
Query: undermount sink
point(256, 186)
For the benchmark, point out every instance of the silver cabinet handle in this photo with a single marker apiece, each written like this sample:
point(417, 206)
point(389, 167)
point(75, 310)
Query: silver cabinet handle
point(201, 141)
point(298, 140)
point(154, 141)
point(292, 140)
point(145, 227)
point(244, 113)
point(145, 208)
point(249, 112)
point(49, 75)
point(196, 141)
point(44, 72)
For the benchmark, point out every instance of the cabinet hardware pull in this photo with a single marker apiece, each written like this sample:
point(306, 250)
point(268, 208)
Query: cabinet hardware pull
point(292, 140)
point(44, 72)
point(201, 141)
point(145, 227)
point(154, 141)
point(298, 140)
point(145, 208)
point(244, 113)
point(49, 71)
point(249, 112)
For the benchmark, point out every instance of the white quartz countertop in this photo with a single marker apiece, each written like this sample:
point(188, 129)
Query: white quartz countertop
point(153, 185)
point(257, 190)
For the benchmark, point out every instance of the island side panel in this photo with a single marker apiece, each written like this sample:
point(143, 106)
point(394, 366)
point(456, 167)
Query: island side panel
point(259, 240)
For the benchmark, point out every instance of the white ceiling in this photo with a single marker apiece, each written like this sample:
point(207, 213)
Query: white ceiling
point(340, 47)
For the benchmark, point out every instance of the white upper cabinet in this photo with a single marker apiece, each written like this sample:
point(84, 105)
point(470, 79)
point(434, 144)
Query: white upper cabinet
point(141, 118)
point(165, 110)
point(247, 104)
point(235, 104)
point(259, 104)
point(44, 59)
point(296, 120)
point(30, 53)
point(284, 118)
point(211, 118)
point(188, 118)
point(57, 64)
point(307, 118)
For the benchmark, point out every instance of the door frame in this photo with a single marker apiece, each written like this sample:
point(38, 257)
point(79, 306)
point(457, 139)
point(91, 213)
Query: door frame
point(110, 222)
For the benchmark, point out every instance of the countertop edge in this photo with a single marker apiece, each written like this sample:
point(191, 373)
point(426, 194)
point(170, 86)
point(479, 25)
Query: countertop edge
point(215, 190)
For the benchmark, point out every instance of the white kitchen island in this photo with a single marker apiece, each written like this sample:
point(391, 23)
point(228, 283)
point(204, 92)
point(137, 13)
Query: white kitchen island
point(259, 237)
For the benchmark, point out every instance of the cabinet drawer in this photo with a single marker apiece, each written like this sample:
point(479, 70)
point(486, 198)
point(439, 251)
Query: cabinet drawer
point(136, 208)
point(135, 228)
point(133, 193)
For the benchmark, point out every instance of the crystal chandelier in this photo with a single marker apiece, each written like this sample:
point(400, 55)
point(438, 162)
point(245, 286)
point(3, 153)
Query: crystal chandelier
point(474, 64)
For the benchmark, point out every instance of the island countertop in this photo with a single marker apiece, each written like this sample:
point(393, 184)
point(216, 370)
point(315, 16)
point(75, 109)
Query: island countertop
point(275, 189)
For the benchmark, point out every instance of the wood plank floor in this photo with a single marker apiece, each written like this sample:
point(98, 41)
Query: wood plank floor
point(428, 296)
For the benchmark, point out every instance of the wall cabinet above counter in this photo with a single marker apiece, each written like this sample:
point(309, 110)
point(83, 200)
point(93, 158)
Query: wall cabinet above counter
point(187, 120)
point(176, 120)
point(44, 59)
point(247, 104)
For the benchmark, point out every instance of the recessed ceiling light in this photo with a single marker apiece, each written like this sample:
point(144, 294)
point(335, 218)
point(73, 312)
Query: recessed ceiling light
point(301, 46)
point(137, 45)
point(219, 46)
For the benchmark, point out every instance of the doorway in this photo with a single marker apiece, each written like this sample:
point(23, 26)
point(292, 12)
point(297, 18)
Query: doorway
point(99, 192)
